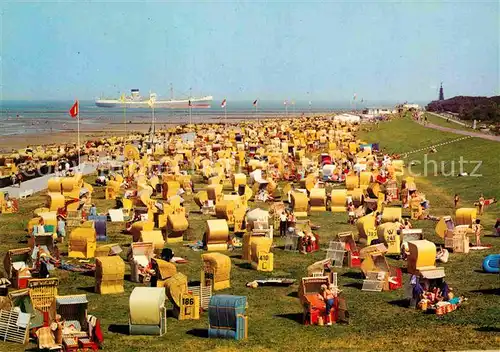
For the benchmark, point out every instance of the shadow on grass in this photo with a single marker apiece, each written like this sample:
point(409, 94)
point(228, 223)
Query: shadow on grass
point(403, 303)
point(488, 291)
point(353, 275)
point(203, 333)
point(488, 329)
point(119, 329)
point(296, 317)
point(479, 271)
point(294, 294)
point(88, 273)
point(171, 313)
point(357, 285)
point(244, 265)
point(89, 289)
point(236, 256)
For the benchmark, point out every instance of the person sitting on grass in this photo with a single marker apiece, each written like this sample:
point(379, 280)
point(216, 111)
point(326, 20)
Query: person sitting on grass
point(442, 255)
point(407, 225)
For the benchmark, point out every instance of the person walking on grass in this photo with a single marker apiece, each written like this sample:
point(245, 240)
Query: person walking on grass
point(283, 224)
point(456, 199)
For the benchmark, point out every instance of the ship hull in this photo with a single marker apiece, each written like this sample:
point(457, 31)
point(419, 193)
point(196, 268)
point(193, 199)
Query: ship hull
point(197, 103)
point(106, 104)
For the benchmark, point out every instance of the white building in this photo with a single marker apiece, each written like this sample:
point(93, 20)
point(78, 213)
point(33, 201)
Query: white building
point(347, 118)
point(377, 111)
point(411, 106)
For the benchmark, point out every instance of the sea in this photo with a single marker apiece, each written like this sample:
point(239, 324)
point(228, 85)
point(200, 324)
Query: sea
point(19, 117)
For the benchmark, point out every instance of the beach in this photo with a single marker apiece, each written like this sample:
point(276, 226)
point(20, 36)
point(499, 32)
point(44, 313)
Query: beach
point(35, 132)
point(27, 122)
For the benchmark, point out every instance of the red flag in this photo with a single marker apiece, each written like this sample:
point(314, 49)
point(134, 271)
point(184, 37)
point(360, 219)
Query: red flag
point(223, 104)
point(75, 109)
point(255, 102)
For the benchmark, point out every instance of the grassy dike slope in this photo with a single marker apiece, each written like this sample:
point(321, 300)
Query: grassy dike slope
point(379, 322)
point(437, 173)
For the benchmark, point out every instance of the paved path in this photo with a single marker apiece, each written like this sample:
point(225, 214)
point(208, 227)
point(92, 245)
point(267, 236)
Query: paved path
point(464, 133)
point(40, 183)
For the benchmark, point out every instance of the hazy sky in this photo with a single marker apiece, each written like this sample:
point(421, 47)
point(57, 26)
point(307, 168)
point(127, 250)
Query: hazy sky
point(280, 50)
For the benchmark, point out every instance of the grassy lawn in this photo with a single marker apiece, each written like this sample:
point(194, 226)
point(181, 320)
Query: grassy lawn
point(378, 320)
point(402, 135)
point(442, 122)
point(437, 173)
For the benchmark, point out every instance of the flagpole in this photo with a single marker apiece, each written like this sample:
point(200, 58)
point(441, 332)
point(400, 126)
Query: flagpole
point(125, 118)
point(190, 106)
point(78, 138)
point(256, 113)
point(152, 120)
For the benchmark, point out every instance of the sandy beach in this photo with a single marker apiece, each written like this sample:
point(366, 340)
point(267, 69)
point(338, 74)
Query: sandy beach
point(108, 128)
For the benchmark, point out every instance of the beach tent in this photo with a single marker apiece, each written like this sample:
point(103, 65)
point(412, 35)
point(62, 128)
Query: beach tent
point(347, 118)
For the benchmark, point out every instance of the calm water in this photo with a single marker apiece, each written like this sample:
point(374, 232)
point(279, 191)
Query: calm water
point(18, 117)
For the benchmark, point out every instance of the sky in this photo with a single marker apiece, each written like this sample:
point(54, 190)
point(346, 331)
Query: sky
point(382, 51)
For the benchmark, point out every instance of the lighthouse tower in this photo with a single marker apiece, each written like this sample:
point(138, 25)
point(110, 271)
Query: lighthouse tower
point(441, 93)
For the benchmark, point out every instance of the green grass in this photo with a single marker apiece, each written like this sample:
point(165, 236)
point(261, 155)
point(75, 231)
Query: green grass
point(437, 173)
point(378, 322)
point(441, 122)
point(402, 135)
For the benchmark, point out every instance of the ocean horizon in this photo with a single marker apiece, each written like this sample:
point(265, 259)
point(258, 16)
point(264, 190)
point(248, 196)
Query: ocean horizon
point(51, 108)
point(28, 116)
